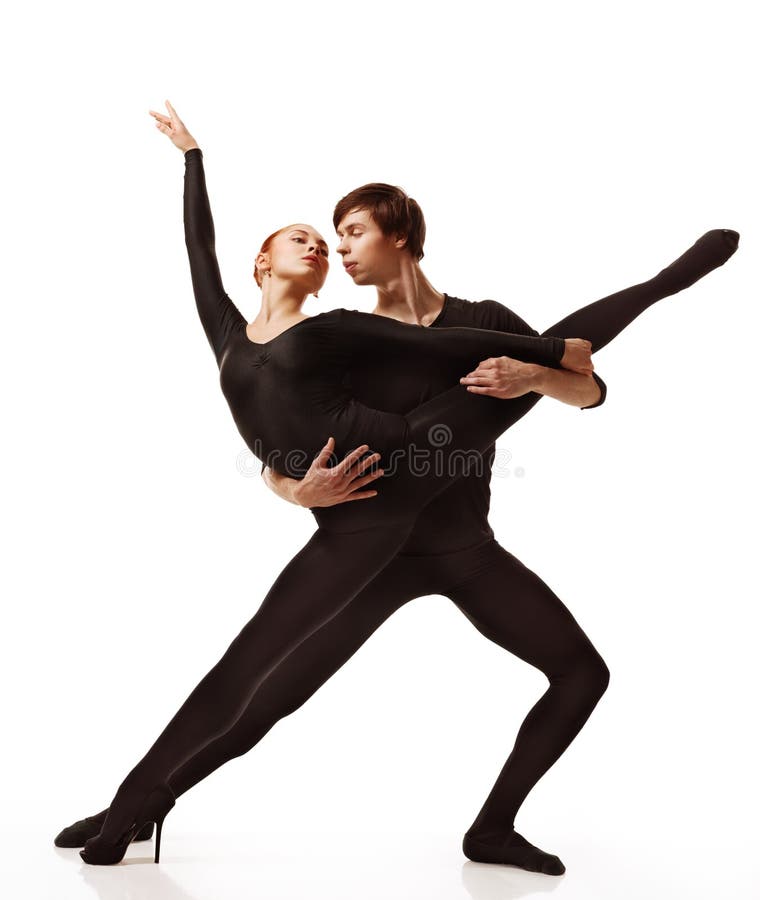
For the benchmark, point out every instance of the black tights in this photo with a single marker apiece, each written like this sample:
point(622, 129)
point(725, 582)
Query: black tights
point(505, 601)
point(334, 566)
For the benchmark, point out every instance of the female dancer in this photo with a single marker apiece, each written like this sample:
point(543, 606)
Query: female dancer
point(306, 362)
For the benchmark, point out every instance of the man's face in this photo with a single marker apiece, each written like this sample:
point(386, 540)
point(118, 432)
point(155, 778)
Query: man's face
point(369, 256)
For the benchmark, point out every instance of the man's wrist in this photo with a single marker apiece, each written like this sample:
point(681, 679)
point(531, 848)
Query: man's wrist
point(284, 487)
point(536, 377)
point(295, 489)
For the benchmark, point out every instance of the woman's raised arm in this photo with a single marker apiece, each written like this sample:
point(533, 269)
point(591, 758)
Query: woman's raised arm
point(218, 314)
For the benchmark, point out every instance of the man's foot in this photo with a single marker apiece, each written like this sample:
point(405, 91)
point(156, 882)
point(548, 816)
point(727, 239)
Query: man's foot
point(512, 850)
point(76, 835)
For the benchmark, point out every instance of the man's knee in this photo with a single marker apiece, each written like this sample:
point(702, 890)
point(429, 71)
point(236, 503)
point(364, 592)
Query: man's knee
point(598, 674)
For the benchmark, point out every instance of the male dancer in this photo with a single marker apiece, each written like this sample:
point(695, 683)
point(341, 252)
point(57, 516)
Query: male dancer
point(452, 550)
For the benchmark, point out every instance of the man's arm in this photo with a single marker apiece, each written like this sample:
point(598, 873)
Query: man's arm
point(584, 391)
point(281, 485)
point(512, 378)
point(507, 378)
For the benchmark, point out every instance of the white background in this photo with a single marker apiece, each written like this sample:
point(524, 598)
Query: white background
point(560, 152)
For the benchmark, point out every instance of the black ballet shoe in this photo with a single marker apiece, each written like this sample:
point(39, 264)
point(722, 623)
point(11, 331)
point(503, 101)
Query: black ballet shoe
point(721, 241)
point(100, 852)
point(731, 237)
point(707, 253)
point(512, 850)
point(80, 832)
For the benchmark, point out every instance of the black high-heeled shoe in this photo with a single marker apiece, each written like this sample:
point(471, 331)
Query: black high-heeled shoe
point(82, 830)
point(155, 807)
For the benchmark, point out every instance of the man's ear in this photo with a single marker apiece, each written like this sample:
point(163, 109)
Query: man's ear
point(400, 241)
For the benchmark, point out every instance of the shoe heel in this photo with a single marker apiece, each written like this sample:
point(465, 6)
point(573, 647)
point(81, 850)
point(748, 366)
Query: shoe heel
point(158, 804)
point(159, 825)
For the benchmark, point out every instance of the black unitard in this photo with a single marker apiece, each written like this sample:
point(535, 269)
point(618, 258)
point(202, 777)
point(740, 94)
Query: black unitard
point(340, 559)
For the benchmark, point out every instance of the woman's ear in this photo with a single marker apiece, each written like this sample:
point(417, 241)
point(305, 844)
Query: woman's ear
point(263, 263)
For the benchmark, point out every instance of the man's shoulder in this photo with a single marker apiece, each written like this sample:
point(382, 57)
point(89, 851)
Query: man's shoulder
point(477, 310)
point(488, 314)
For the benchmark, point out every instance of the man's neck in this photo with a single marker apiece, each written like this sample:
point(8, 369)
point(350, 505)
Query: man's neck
point(410, 298)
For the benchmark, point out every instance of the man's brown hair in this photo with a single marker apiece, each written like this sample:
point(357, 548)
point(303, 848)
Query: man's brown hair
point(396, 214)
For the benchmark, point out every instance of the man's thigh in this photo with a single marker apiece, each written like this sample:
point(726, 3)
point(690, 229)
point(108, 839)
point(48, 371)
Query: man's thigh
point(508, 603)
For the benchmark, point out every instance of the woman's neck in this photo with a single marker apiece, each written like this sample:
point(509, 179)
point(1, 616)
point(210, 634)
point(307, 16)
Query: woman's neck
point(281, 303)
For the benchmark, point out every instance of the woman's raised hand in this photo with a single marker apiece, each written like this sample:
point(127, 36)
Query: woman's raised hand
point(174, 128)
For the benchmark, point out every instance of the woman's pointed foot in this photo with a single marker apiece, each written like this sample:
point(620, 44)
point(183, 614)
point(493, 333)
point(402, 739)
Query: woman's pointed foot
point(511, 850)
point(731, 237)
point(721, 243)
point(80, 832)
point(707, 253)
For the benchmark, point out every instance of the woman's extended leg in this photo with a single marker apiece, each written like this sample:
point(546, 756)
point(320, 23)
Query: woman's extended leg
point(477, 425)
point(451, 429)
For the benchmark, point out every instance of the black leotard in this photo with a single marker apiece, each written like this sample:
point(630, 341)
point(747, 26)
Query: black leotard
point(289, 394)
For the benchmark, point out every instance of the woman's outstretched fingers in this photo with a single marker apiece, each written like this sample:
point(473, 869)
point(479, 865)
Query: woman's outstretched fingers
point(174, 128)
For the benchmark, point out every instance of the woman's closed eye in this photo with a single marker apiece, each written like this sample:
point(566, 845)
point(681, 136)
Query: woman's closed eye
point(322, 250)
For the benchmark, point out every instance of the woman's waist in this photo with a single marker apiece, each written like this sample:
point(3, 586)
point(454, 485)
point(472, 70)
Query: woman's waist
point(382, 432)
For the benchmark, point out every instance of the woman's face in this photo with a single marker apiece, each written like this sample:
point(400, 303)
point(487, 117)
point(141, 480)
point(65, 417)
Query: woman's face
point(298, 254)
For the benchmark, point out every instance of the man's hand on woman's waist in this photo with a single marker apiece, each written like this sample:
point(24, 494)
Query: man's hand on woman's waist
point(325, 485)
